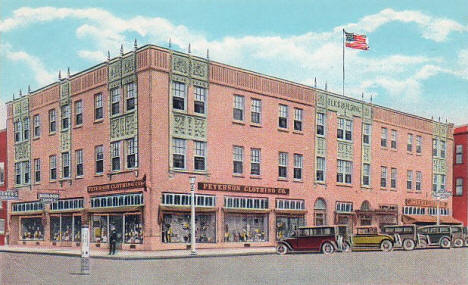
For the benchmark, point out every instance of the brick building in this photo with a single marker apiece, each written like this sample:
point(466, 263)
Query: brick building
point(3, 186)
point(460, 174)
point(119, 141)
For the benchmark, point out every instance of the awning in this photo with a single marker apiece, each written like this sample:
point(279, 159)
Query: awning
point(426, 219)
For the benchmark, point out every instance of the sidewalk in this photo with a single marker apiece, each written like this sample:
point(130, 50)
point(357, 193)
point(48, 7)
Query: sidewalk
point(133, 255)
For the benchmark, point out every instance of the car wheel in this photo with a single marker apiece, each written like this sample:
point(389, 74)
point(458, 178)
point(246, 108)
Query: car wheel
point(327, 248)
point(445, 242)
point(282, 249)
point(408, 244)
point(466, 242)
point(458, 242)
point(346, 247)
point(386, 245)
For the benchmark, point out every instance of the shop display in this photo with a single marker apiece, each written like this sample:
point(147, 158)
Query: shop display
point(66, 228)
point(76, 228)
point(100, 232)
point(285, 226)
point(32, 229)
point(176, 228)
point(54, 228)
point(133, 229)
point(245, 228)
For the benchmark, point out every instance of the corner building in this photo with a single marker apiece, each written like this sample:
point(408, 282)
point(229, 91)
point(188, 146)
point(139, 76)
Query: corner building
point(119, 141)
point(460, 174)
point(3, 186)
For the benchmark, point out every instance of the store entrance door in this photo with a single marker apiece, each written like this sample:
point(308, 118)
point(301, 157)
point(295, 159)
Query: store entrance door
point(116, 221)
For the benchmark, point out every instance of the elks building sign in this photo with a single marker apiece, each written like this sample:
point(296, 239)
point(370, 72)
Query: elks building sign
point(242, 188)
point(118, 186)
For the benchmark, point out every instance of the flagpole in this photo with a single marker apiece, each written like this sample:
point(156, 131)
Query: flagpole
point(343, 59)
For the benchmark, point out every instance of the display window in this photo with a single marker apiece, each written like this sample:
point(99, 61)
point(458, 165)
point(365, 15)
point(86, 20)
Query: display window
point(128, 227)
point(245, 228)
point(65, 228)
point(285, 226)
point(133, 229)
point(176, 228)
point(32, 229)
point(100, 229)
point(76, 228)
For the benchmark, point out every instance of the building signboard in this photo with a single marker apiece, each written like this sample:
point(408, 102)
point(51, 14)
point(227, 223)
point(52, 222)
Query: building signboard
point(242, 188)
point(9, 195)
point(424, 203)
point(47, 197)
point(118, 186)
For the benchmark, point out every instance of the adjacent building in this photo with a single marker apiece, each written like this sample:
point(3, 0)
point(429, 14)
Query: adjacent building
point(119, 141)
point(460, 174)
point(3, 187)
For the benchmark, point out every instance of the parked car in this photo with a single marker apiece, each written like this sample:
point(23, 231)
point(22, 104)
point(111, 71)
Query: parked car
point(465, 234)
point(325, 239)
point(440, 235)
point(368, 238)
point(405, 236)
point(458, 236)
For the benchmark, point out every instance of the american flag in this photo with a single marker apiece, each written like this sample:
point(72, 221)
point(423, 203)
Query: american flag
point(356, 41)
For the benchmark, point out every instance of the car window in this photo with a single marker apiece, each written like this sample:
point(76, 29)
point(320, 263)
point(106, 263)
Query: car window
point(408, 230)
point(434, 230)
point(455, 230)
point(424, 231)
point(389, 230)
point(444, 230)
point(327, 231)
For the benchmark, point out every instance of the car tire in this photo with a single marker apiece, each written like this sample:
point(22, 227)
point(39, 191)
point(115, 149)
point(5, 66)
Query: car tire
point(466, 242)
point(408, 244)
point(445, 242)
point(346, 247)
point(386, 245)
point(458, 242)
point(282, 249)
point(328, 248)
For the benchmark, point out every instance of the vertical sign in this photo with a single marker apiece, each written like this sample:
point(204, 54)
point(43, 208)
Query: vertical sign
point(85, 249)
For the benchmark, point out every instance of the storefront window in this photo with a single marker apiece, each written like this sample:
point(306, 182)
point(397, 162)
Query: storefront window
point(285, 226)
point(245, 228)
point(176, 228)
point(133, 229)
point(66, 229)
point(55, 228)
point(77, 228)
point(32, 229)
point(100, 231)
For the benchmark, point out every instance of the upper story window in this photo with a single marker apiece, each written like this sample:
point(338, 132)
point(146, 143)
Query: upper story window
point(345, 129)
point(53, 167)
point(132, 153)
point(179, 148)
point(366, 174)
point(409, 179)
point(255, 159)
point(200, 156)
point(238, 110)
point(65, 112)
point(366, 132)
point(418, 144)
point(344, 172)
point(18, 126)
point(393, 177)
point(283, 116)
point(99, 153)
point(115, 153)
point(79, 162)
point(383, 137)
point(2, 173)
point(178, 98)
point(238, 158)
point(78, 112)
point(256, 111)
point(459, 186)
point(37, 170)
point(393, 143)
point(52, 121)
point(66, 165)
point(37, 125)
point(459, 154)
point(321, 124)
point(409, 147)
point(435, 147)
point(200, 100)
point(418, 180)
point(26, 129)
point(283, 165)
point(98, 107)
point(298, 119)
point(22, 172)
point(383, 176)
point(115, 99)
point(131, 95)
point(320, 169)
point(287, 204)
point(344, 207)
point(442, 149)
point(298, 165)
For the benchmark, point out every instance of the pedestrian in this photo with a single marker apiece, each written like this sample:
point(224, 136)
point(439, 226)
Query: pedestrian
point(112, 242)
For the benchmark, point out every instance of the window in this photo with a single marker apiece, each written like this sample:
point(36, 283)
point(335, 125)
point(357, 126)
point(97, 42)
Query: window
point(283, 116)
point(238, 111)
point(22, 172)
point(321, 124)
point(442, 182)
point(366, 174)
point(131, 94)
point(383, 138)
point(65, 113)
point(434, 182)
point(98, 150)
point(26, 171)
point(366, 132)
point(393, 143)
point(459, 154)
point(393, 177)
point(238, 158)
point(298, 164)
point(98, 107)
point(459, 187)
point(178, 153)
point(344, 172)
point(418, 180)
point(383, 176)
point(442, 149)
point(66, 165)
point(132, 151)
point(320, 169)
point(320, 212)
point(52, 121)
point(178, 98)
point(115, 99)
point(78, 112)
point(344, 207)
point(286, 204)
point(283, 165)
point(345, 128)
point(182, 199)
point(18, 131)
point(255, 158)
point(409, 147)
point(53, 167)
point(435, 150)
point(256, 111)
point(37, 170)
point(200, 99)
point(79, 162)
point(37, 126)
point(18, 173)
point(418, 144)
point(200, 156)
point(409, 179)
point(2, 173)
point(298, 119)
point(67, 204)
point(26, 129)
point(245, 203)
point(120, 200)
point(115, 153)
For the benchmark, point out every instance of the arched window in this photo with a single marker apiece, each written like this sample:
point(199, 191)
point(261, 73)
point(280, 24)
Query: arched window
point(365, 206)
point(366, 220)
point(320, 212)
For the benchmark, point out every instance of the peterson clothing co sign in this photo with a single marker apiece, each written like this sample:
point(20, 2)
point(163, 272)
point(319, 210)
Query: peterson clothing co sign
point(118, 186)
point(424, 203)
point(242, 188)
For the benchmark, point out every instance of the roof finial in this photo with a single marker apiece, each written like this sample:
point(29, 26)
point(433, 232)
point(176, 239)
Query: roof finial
point(371, 98)
point(135, 45)
point(432, 118)
point(326, 87)
point(207, 53)
point(121, 49)
point(170, 43)
point(439, 118)
point(60, 75)
point(362, 96)
point(13, 95)
point(68, 72)
point(315, 82)
point(20, 93)
point(189, 49)
point(29, 89)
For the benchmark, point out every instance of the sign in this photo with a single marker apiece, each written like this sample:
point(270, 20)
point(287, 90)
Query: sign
point(84, 250)
point(424, 203)
point(47, 197)
point(9, 195)
point(118, 186)
point(241, 188)
point(441, 195)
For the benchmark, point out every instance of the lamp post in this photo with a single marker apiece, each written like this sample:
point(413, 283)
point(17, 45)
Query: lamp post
point(192, 193)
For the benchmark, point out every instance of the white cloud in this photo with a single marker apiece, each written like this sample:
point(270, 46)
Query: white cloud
point(3, 114)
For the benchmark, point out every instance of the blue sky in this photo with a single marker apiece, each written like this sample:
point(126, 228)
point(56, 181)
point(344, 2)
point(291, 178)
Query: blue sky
point(418, 61)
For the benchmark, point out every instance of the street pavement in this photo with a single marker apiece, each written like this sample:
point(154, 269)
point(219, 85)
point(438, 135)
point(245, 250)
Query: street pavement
point(429, 266)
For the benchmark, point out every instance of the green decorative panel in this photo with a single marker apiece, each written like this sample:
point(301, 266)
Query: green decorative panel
point(366, 112)
point(188, 127)
point(345, 151)
point(65, 89)
point(179, 78)
point(22, 151)
point(321, 147)
point(65, 141)
point(180, 65)
point(123, 127)
point(199, 69)
point(115, 84)
point(128, 65)
point(115, 71)
point(21, 107)
point(321, 100)
point(129, 79)
point(344, 107)
point(439, 166)
point(366, 154)
point(440, 129)
point(200, 83)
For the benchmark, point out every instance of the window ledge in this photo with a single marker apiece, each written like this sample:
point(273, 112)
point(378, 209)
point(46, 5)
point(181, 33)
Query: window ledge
point(179, 171)
point(419, 154)
point(366, 187)
point(298, 181)
point(283, 130)
point(393, 189)
point(255, 177)
point(236, 122)
point(78, 126)
point(394, 149)
point(320, 136)
point(298, 133)
point(383, 188)
point(98, 121)
point(36, 138)
point(344, 184)
point(52, 133)
point(255, 125)
point(98, 174)
point(238, 175)
point(53, 181)
point(79, 177)
point(201, 115)
point(409, 152)
point(283, 179)
point(343, 140)
point(320, 182)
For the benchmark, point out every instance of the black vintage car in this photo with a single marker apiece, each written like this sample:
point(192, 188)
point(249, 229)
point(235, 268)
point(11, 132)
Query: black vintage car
point(405, 236)
point(441, 235)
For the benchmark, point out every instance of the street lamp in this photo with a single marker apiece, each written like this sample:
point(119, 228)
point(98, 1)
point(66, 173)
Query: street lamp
point(192, 193)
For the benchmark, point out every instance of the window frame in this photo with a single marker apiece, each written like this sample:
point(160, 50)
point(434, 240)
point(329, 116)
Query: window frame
point(298, 119)
point(298, 166)
point(459, 154)
point(200, 94)
point(52, 167)
point(238, 159)
point(78, 112)
point(256, 111)
point(255, 161)
point(99, 159)
point(179, 150)
point(383, 137)
point(459, 185)
point(52, 121)
point(178, 94)
point(37, 126)
point(283, 115)
point(282, 165)
point(98, 107)
point(383, 176)
point(200, 154)
point(321, 124)
point(318, 167)
point(79, 162)
point(238, 108)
